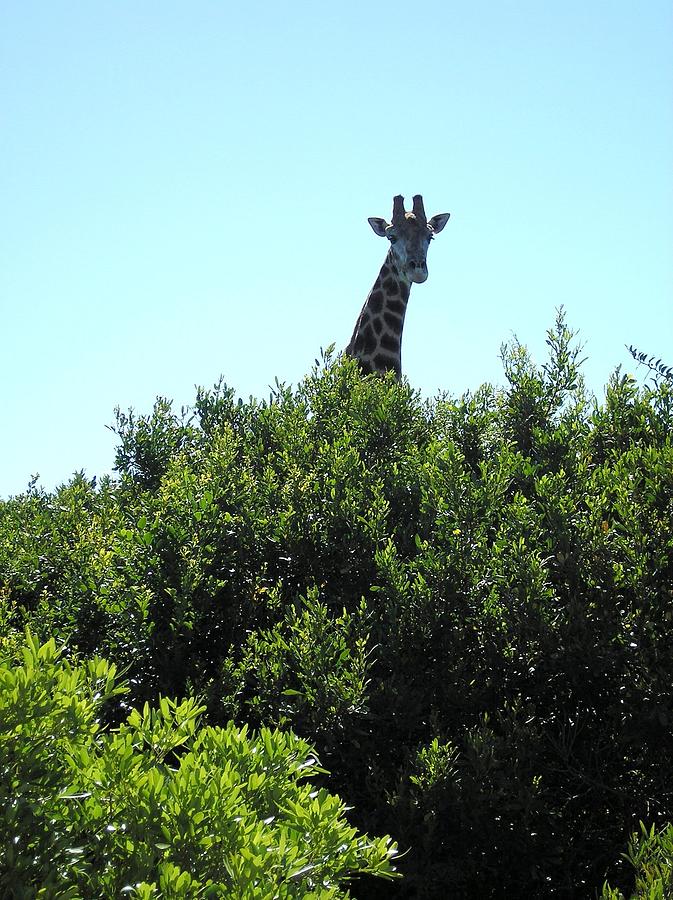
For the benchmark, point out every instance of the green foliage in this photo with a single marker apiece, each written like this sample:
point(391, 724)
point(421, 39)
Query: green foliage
point(147, 443)
point(537, 396)
point(311, 671)
point(159, 807)
point(46, 709)
point(659, 368)
point(465, 605)
point(650, 854)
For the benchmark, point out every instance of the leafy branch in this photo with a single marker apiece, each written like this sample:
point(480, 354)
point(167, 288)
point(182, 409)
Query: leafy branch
point(654, 365)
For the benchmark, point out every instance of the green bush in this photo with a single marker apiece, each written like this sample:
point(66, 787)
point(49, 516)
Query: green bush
point(464, 604)
point(650, 854)
point(159, 806)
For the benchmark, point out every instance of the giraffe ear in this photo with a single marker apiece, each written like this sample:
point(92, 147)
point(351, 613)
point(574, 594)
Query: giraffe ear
point(378, 226)
point(438, 222)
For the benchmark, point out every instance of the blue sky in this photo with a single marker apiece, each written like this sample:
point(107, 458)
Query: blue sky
point(185, 191)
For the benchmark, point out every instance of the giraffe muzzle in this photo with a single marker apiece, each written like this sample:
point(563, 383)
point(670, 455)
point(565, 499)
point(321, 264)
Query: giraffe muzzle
point(418, 272)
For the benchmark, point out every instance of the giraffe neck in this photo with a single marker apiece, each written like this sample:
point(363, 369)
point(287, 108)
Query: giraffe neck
point(377, 339)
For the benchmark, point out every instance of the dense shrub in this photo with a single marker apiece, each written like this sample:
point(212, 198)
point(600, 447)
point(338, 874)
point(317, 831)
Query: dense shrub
point(464, 604)
point(159, 807)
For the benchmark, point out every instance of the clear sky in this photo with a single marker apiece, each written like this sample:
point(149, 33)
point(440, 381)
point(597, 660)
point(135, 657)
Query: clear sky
point(184, 193)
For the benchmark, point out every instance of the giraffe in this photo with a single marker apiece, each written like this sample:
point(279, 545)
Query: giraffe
point(377, 338)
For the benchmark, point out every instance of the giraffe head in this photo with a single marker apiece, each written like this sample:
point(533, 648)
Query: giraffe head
point(410, 234)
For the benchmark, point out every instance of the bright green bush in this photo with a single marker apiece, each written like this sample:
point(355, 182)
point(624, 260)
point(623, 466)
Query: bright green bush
point(650, 854)
point(159, 806)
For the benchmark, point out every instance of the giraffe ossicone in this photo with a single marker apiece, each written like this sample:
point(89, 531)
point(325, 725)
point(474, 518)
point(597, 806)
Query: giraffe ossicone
point(377, 339)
